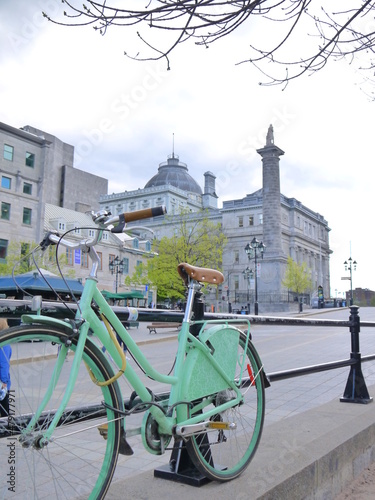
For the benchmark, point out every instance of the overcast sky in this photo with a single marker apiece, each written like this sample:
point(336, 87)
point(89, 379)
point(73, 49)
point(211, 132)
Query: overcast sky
point(121, 115)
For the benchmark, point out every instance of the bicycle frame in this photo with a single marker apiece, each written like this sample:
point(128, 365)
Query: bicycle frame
point(192, 352)
point(186, 342)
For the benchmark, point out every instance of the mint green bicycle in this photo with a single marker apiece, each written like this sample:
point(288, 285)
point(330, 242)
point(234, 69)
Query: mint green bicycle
point(68, 412)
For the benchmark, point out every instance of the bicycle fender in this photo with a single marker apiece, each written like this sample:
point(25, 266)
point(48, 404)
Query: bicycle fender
point(44, 320)
point(201, 377)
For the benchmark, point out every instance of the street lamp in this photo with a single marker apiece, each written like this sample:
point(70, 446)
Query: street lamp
point(351, 266)
point(116, 266)
point(253, 250)
point(248, 274)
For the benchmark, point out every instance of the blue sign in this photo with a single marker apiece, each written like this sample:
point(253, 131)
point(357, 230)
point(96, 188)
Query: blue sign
point(77, 256)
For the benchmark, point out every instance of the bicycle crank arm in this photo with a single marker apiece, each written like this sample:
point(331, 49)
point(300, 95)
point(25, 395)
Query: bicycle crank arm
point(189, 430)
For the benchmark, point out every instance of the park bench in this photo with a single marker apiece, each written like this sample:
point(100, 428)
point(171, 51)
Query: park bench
point(156, 326)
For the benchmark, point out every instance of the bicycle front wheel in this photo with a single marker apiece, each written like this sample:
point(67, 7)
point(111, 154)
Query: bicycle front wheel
point(220, 454)
point(80, 459)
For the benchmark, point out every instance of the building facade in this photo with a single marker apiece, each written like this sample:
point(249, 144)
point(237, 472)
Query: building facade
point(37, 168)
point(41, 190)
point(284, 225)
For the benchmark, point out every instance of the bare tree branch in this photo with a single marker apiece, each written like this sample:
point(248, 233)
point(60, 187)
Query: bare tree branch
point(343, 34)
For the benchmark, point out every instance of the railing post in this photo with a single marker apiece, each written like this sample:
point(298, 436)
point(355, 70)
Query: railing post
point(355, 390)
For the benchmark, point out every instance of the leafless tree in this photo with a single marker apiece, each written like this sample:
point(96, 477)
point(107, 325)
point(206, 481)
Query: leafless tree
point(348, 32)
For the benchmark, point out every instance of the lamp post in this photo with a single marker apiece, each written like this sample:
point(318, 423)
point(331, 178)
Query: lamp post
point(116, 266)
point(253, 250)
point(351, 266)
point(228, 292)
point(248, 274)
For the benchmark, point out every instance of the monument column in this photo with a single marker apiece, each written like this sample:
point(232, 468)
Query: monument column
point(273, 264)
point(271, 195)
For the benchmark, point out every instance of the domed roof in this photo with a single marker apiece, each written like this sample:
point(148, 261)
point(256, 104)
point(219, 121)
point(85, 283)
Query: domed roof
point(175, 173)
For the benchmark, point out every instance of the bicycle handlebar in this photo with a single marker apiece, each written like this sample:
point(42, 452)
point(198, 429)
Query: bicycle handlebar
point(137, 215)
point(104, 220)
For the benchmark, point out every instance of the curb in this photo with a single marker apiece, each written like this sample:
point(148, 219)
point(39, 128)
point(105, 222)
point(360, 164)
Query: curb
point(311, 456)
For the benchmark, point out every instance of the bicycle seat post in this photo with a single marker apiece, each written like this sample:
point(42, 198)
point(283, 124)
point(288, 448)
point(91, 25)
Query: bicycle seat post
point(193, 287)
point(194, 306)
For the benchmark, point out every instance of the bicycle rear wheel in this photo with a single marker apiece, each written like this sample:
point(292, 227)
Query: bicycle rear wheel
point(78, 462)
point(221, 454)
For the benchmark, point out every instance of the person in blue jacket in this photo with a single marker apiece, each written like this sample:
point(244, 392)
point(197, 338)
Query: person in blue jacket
point(5, 355)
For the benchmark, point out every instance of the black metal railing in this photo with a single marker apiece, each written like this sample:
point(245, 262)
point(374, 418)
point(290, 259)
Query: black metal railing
point(355, 390)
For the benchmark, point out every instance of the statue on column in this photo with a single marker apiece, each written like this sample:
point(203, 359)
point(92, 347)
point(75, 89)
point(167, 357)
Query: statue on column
point(269, 138)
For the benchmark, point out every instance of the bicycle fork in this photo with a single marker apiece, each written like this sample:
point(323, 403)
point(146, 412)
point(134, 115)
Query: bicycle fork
point(41, 440)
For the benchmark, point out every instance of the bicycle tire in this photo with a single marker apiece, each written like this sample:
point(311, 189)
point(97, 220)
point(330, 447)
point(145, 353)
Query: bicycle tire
point(77, 461)
point(222, 455)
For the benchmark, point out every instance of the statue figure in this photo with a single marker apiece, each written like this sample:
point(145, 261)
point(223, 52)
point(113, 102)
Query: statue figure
point(269, 138)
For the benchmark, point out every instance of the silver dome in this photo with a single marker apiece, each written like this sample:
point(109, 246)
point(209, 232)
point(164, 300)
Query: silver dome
point(175, 173)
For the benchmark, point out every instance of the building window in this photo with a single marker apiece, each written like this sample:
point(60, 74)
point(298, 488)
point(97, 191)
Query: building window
point(240, 221)
point(100, 266)
point(91, 233)
point(84, 260)
point(251, 220)
point(6, 182)
point(26, 218)
point(27, 188)
point(135, 243)
point(105, 236)
point(61, 226)
point(77, 230)
point(8, 152)
point(5, 210)
point(236, 257)
point(260, 218)
point(236, 283)
point(148, 246)
point(69, 256)
point(30, 160)
point(3, 249)
point(125, 261)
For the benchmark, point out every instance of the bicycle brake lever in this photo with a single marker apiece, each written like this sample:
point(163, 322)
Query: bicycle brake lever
point(46, 242)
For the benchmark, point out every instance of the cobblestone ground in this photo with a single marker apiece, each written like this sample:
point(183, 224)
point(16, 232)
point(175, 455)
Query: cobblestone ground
point(362, 488)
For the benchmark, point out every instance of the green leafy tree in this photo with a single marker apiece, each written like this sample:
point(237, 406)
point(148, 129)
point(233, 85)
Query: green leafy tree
point(297, 277)
point(197, 240)
point(19, 260)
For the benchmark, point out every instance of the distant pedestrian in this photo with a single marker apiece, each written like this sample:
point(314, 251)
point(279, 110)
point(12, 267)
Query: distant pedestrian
point(5, 355)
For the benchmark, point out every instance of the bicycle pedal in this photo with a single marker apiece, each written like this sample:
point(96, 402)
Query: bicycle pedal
point(124, 448)
point(103, 430)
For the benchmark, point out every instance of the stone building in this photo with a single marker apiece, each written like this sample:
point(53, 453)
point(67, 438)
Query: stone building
point(37, 168)
point(37, 171)
point(41, 190)
point(172, 186)
point(284, 225)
